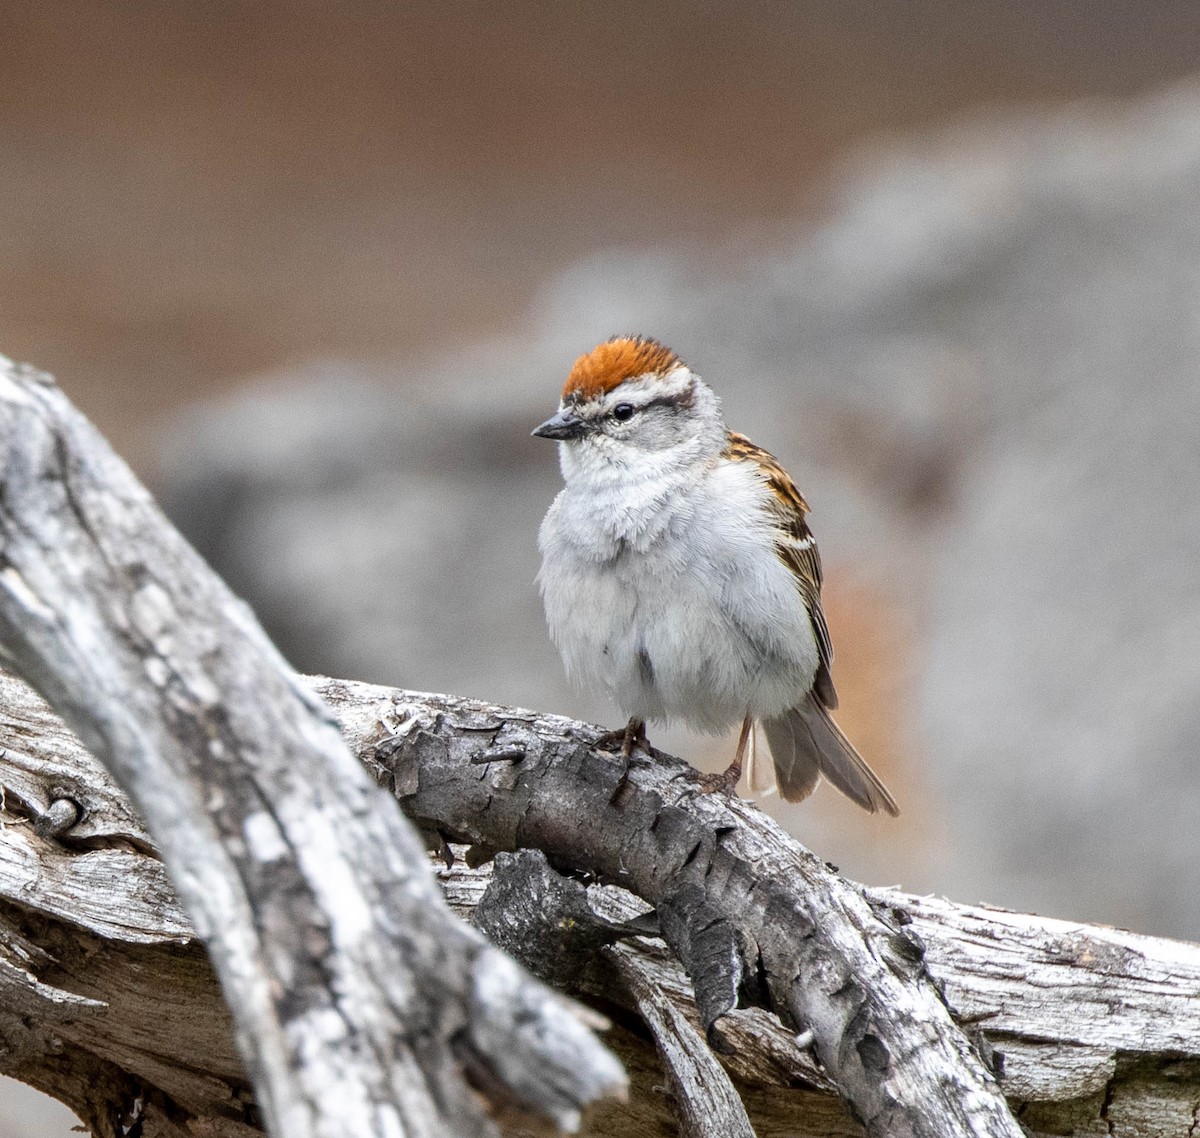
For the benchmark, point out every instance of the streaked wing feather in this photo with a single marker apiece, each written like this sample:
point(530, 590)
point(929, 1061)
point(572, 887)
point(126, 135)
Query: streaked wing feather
point(796, 547)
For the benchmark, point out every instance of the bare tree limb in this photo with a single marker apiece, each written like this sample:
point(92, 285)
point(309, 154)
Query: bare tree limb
point(547, 922)
point(753, 915)
point(703, 1094)
point(106, 1005)
point(358, 999)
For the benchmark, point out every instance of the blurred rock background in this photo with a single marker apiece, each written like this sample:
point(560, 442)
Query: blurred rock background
point(317, 271)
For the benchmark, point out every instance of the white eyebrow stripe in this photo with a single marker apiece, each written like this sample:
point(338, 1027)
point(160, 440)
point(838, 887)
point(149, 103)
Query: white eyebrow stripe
point(646, 388)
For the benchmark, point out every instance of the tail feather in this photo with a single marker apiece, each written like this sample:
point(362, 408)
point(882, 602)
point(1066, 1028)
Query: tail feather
point(806, 744)
point(759, 777)
point(796, 772)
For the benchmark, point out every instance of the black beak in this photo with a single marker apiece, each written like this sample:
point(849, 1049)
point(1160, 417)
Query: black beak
point(563, 426)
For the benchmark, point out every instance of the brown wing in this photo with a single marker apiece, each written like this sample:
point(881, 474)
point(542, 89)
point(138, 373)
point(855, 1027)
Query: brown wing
point(796, 546)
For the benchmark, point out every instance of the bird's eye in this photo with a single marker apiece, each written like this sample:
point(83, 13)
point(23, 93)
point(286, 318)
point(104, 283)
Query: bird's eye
point(623, 412)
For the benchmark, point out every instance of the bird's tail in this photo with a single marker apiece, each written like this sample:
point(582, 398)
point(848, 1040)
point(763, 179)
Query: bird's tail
point(806, 744)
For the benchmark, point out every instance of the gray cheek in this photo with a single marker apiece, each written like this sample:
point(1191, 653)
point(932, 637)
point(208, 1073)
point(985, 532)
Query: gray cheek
point(660, 430)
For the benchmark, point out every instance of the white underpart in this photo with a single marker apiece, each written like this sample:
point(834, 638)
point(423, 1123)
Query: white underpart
point(662, 585)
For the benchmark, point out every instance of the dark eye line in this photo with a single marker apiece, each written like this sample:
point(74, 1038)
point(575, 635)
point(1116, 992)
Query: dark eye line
point(623, 412)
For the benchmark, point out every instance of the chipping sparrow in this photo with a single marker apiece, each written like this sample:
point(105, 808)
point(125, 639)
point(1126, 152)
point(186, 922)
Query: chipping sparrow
point(678, 572)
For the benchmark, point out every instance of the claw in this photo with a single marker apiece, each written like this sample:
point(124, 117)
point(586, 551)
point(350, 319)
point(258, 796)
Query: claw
point(631, 736)
point(727, 779)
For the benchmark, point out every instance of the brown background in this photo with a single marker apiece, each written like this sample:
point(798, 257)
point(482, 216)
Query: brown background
point(192, 193)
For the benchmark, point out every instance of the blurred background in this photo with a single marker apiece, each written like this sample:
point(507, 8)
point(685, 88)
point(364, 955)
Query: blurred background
point(316, 271)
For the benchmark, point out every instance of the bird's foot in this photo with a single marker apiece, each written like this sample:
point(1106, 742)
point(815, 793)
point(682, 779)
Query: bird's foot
point(630, 737)
point(722, 781)
point(727, 779)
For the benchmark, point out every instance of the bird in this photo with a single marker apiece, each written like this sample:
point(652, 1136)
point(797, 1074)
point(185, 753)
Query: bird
point(679, 574)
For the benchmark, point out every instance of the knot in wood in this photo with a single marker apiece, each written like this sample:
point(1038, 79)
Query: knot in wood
point(61, 815)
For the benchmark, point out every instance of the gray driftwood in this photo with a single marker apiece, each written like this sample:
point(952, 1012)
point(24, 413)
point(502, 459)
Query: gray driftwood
point(109, 1001)
point(357, 1002)
point(358, 999)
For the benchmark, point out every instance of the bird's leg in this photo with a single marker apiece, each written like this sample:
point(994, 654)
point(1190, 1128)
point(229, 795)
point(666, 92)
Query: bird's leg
point(631, 736)
point(728, 778)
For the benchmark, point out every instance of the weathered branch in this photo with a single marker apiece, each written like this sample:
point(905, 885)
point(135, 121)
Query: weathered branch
point(548, 923)
point(753, 915)
point(358, 998)
point(1092, 1025)
point(705, 1099)
point(357, 1002)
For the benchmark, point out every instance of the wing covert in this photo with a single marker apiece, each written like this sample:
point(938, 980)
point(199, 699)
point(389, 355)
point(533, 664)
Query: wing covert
point(796, 546)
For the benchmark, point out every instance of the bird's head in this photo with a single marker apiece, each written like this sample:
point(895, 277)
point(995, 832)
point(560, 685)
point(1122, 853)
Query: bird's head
point(630, 401)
